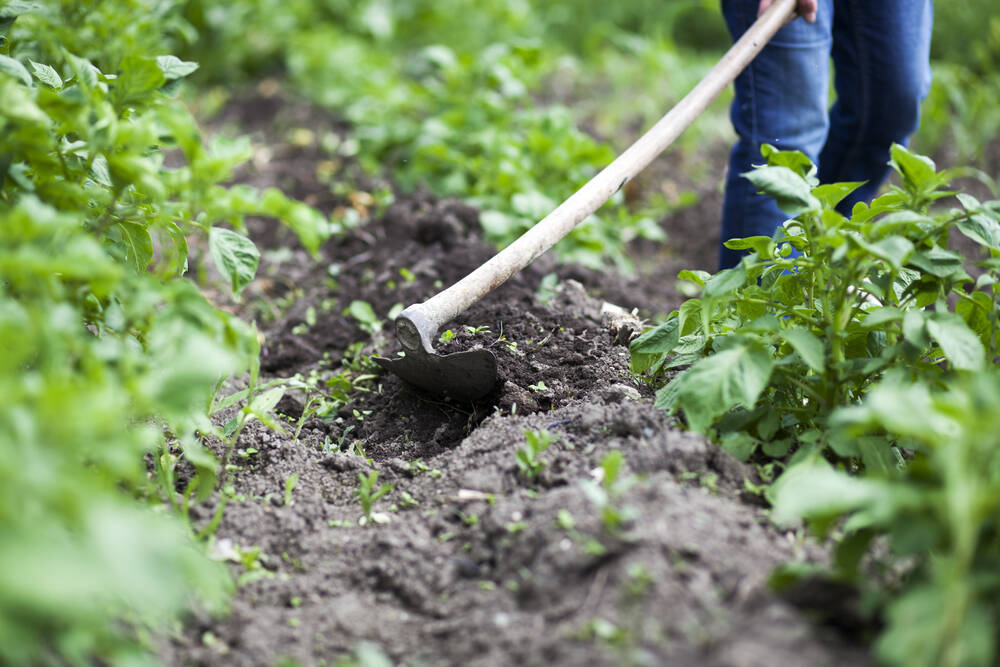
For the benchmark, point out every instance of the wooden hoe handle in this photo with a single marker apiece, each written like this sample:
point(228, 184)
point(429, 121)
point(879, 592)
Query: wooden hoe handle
point(417, 325)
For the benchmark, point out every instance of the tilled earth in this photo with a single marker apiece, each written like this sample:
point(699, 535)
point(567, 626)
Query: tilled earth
point(474, 562)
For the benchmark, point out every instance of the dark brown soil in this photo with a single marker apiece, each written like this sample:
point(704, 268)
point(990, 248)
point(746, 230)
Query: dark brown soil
point(479, 564)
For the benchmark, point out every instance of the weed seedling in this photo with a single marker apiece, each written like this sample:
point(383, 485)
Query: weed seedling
point(251, 560)
point(605, 492)
point(368, 495)
point(407, 501)
point(364, 314)
point(529, 457)
point(290, 483)
point(418, 466)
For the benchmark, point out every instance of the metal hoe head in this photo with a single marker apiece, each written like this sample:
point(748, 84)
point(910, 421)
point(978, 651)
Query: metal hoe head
point(464, 375)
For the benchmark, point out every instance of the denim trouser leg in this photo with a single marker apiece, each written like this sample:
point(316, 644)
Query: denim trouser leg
point(881, 60)
point(880, 53)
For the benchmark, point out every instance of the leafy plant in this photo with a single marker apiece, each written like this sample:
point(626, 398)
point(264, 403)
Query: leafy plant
point(863, 341)
point(435, 110)
point(368, 495)
point(938, 514)
point(812, 317)
point(123, 354)
point(529, 458)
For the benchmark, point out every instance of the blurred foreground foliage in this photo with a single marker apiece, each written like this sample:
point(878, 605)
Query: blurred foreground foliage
point(109, 356)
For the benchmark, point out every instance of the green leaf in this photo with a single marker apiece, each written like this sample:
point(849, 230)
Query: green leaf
point(668, 395)
point(807, 346)
point(697, 277)
point(895, 250)
point(915, 328)
point(15, 69)
point(16, 103)
point(918, 172)
point(982, 229)
point(960, 345)
point(777, 448)
point(733, 376)
point(235, 256)
point(137, 78)
point(904, 222)
point(265, 402)
point(831, 194)
point(363, 312)
point(653, 343)
point(762, 245)
point(740, 445)
point(204, 462)
point(918, 629)
point(817, 491)
point(46, 75)
point(726, 281)
point(797, 161)
point(138, 246)
point(174, 68)
point(789, 190)
point(15, 8)
point(311, 226)
point(882, 315)
point(85, 71)
point(262, 405)
point(938, 262)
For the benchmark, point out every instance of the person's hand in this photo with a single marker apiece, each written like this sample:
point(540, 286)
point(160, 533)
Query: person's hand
point(804, 8)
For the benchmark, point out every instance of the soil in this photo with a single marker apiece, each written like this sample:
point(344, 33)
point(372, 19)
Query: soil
point(473, 561)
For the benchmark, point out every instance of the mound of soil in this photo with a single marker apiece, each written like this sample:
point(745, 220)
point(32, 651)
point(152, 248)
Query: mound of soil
point(473, 561)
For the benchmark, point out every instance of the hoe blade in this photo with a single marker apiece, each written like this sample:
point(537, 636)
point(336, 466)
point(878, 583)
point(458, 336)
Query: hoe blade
point(464, 376)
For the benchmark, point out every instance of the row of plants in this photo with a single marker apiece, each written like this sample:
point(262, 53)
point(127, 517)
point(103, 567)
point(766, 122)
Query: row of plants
point(451, 95)
point(486, 100)
point(110, 356)
point(858, 354)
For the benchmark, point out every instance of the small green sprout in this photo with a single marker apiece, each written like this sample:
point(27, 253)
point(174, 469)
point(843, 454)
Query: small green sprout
point(605, 492)
point(418, 466)
point(290, 483)
point(529, 457)
point(538, 388)
point(407, 501)
point(446, 336)
point(363, 312)
point(368, 495)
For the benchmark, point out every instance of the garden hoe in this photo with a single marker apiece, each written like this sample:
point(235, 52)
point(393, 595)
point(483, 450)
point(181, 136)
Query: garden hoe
point(473, 374)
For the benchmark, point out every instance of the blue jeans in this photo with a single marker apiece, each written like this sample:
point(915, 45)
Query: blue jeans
point(880, 51)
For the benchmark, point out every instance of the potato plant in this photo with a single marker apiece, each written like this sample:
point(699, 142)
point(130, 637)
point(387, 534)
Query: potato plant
point(815, 315)
point(937, 515)
point(862, 344)
point(108, 351)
